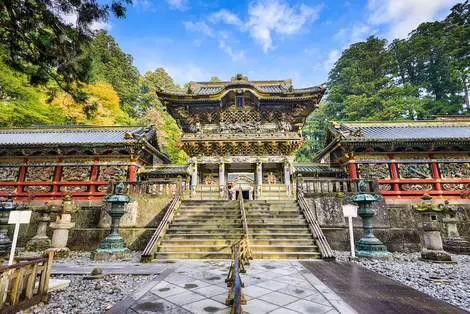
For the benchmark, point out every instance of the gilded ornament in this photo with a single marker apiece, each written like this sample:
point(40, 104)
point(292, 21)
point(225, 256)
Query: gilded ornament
point(116, 173)
point(414, 171)
point(73, 188)
point(416, 187)
point(368, 171)
point(37, 188)
point(9, 173)
point(75, 173)
point(40, 173)
point(455, 170)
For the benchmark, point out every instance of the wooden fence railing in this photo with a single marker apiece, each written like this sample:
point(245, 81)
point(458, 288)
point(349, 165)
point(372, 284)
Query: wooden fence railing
point(320, 239)
point(152, 245)
point(17, 283)
point(332, 186)
point(149, 187)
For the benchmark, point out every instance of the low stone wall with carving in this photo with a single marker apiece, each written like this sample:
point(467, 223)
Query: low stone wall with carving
point(92, 223)
point(396, 223)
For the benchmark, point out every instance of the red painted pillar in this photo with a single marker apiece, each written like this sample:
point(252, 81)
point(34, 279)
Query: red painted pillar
point(352, 168)
point(435, 175)
point(21, 178)
point(57, 174)
point(94, 174)
point(132, 170)
point(394, 171)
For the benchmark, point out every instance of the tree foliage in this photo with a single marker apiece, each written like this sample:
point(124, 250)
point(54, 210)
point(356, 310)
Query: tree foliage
point(424, 75)
point(42, 44)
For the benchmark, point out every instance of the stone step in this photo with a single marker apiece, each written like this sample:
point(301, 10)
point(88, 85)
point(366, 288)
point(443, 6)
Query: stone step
point(280, 216)
point(195, 242)
point(205, 220)
point(172, 230)
point(287, 255)
point(267, 229)
point(207, 216)
point(184, 236)
point(194, 248)
point(283, 235)
point(283, 248)
point(208, 206)
point(209, 211)
point(193, 255)
point(299, 242)
point(277, 225)
point(270, 220)
point(204, 225)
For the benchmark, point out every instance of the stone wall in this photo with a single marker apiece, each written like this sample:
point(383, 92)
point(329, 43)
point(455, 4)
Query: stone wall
point(92, 223)
point(395, 223)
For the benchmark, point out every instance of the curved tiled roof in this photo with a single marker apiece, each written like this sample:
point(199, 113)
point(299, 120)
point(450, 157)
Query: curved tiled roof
point(402, 130)
point(74, 135)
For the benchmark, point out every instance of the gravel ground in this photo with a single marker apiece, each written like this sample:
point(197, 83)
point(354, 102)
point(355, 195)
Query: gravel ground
point(448, 282)
point(83, 258)
point(89, 296)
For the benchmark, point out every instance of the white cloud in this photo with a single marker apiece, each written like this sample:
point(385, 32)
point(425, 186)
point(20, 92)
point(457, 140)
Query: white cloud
point(340, 33)
point(227, 17)
point(275, 16)
point(197, 42)
point(405, 15)
point(72, 19)
point(235, 55)
point(360, 32)
point(311, 50)
point(199, 27)
point(333, 56)
point(181, 5)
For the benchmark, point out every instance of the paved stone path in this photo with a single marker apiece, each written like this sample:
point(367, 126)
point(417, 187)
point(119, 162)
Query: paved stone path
point(371, 293)
point(198, 287)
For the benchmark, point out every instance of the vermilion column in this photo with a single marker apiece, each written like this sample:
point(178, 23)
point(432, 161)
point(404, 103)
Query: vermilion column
point(352, 168)
point(393, 168)
point(21, 177)
point(132, 170)
point(58, 171)
point(435, 174)
point(94, 174)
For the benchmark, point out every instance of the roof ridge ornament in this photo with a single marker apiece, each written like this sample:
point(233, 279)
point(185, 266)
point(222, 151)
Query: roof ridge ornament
point(239, 78)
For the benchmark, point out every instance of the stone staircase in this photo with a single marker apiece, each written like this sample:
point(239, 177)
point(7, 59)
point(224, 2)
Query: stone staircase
point(207, 229)
point(278, 229)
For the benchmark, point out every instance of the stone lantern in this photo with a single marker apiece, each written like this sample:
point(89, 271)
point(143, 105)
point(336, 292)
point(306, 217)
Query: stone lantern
point(368, 245)
point(113, 246)
point(41, 241)
point(453, 242)
point(434, 250)
point(5, 207)
point(62, 226)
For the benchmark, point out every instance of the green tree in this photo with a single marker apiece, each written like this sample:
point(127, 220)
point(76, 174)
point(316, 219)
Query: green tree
point(215, 79)
point(41, 44)
point(112, 65)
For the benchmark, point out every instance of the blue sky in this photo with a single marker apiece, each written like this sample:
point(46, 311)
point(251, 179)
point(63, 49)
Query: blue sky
point(301, 40)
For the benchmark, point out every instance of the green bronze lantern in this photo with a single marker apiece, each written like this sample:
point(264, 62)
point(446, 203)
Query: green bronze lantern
point(114, 246)
point(368, 245)
point(6, 206)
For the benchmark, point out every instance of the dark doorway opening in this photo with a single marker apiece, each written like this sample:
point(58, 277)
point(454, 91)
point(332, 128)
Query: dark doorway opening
point(246, 195)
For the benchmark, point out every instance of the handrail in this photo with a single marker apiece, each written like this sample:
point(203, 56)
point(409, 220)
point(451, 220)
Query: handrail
point(325, 249)
point(147, 254)
point(235, 295)
point(246, 254)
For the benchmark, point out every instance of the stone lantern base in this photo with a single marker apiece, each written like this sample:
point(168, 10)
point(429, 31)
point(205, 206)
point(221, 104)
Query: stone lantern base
point(111, 248)
point(372, 248)
point(435, 256)
point(59, 253)
point(38, 244)
point(106, 256)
